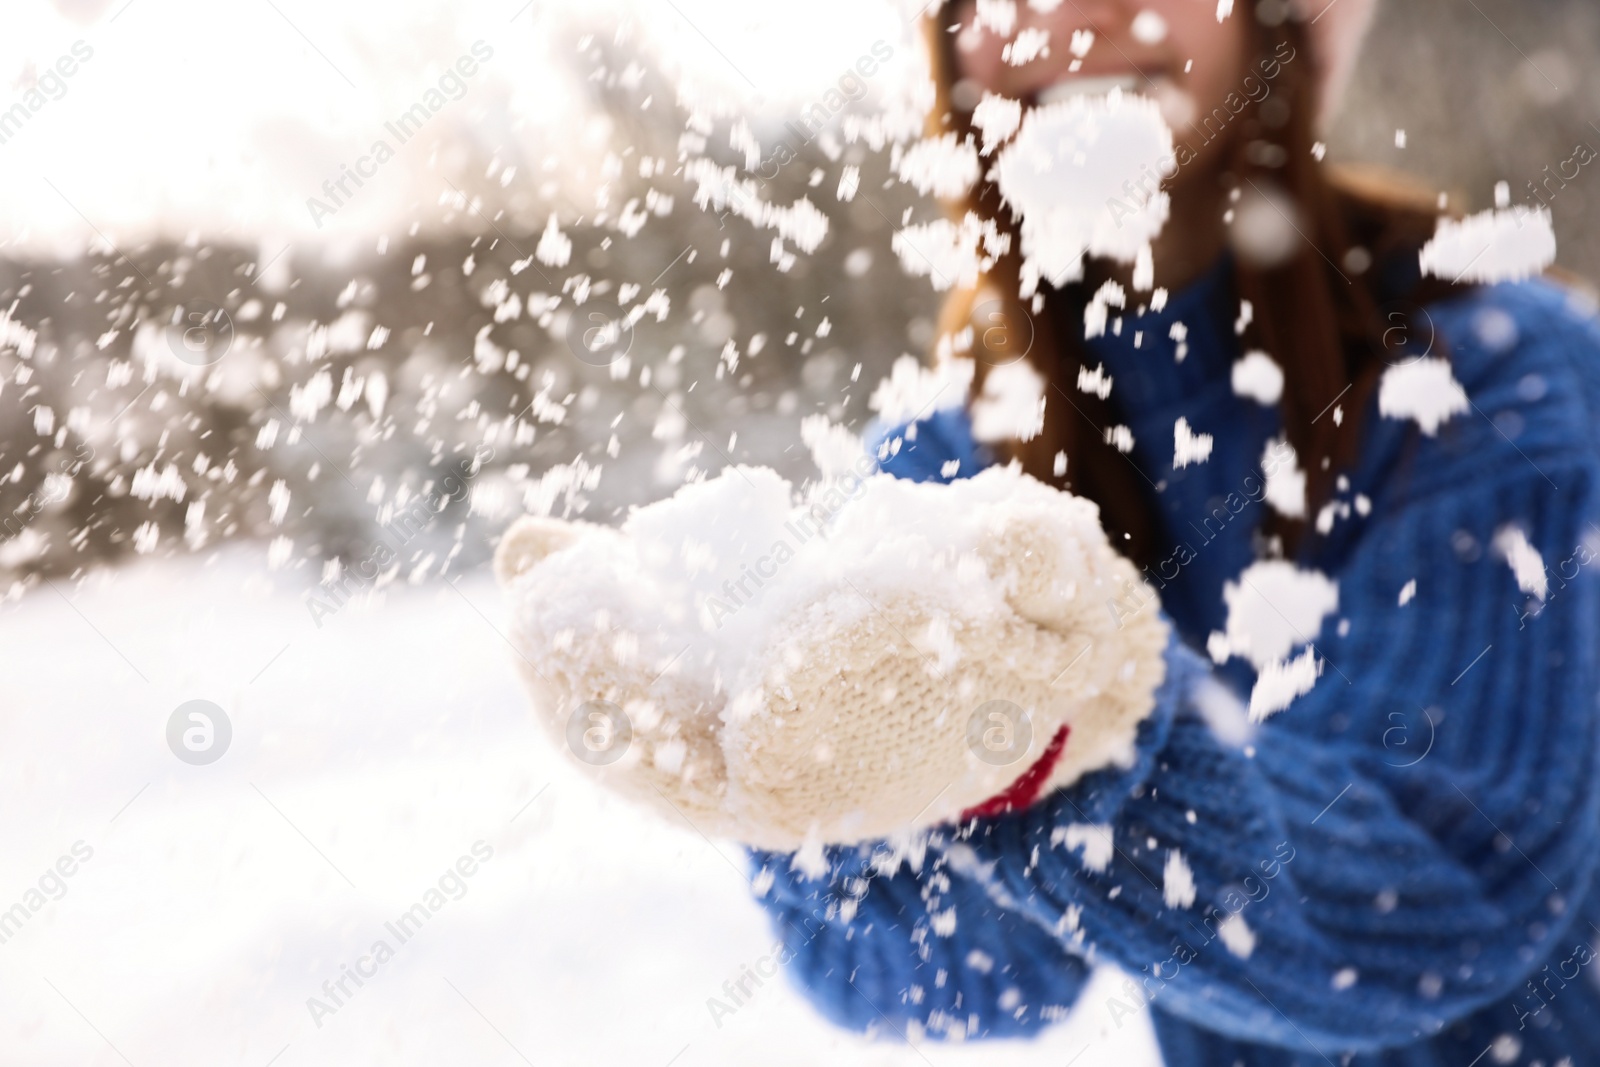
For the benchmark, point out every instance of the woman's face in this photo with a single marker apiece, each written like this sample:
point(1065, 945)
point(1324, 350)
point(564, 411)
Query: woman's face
point(1173, 50)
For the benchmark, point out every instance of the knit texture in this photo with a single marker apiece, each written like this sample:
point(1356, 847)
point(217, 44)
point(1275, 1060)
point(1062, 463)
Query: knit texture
point(886, 683)
point(1397, 869)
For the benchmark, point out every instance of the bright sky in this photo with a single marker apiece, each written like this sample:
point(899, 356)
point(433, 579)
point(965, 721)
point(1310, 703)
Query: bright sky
point(191, 115)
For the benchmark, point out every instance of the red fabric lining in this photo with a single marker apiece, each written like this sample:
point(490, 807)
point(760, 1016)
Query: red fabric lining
point(1025, 790)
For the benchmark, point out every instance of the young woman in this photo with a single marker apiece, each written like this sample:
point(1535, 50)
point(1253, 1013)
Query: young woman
point(1399, 868)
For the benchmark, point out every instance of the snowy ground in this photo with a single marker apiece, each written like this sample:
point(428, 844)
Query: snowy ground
point(368, 756)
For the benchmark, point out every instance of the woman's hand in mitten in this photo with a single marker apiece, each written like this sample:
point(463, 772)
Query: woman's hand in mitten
point(887, 660)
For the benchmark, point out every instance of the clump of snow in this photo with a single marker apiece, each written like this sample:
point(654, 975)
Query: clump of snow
point(1065, 175)
point(1235, 933)
point(1032, 43)
point(948, 253)
point(1499, 245)
point(1273, 608)
point(913, 391)
point(1179, 333)
point(849, 183)
point(1424, 390)
point(1144, 269)
point(1095, 381)
point(810, 859)
point(943, 166)
point(1148, 27)
point(1523, 559)
point(1257, 376)
point(1097, 312)
point(1280, 683)
point(996, 118)
point(998, 15)
point(1188, 446)
point(718, 188)
point(1331, 512)
point(1093, 841)
point(834, 449)
point(554, 248)
point(15, 336)
point(1177, 881)
point(1247, 315)
point(1286, 482)
point(1011, 406)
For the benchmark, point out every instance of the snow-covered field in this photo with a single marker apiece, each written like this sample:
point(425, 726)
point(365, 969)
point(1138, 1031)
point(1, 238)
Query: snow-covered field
point(368, 757)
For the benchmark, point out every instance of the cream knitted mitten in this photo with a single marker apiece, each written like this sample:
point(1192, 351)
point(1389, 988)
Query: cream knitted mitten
point(881, 660)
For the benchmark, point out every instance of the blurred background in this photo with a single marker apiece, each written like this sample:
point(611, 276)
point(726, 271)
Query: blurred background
point(242, 345)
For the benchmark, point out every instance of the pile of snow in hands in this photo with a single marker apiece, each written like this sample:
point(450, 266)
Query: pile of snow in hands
point(791, 673)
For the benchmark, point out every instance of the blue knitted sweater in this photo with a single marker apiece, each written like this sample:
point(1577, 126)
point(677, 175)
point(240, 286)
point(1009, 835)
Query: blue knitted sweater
point(1400, 867)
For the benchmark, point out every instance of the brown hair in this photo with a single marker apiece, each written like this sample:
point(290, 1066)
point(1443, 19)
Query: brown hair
point(1323, 320)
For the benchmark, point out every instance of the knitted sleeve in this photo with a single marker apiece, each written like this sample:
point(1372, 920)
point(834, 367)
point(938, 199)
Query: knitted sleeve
point(1404, 845)
point(918, 951)
point(1398, 849)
